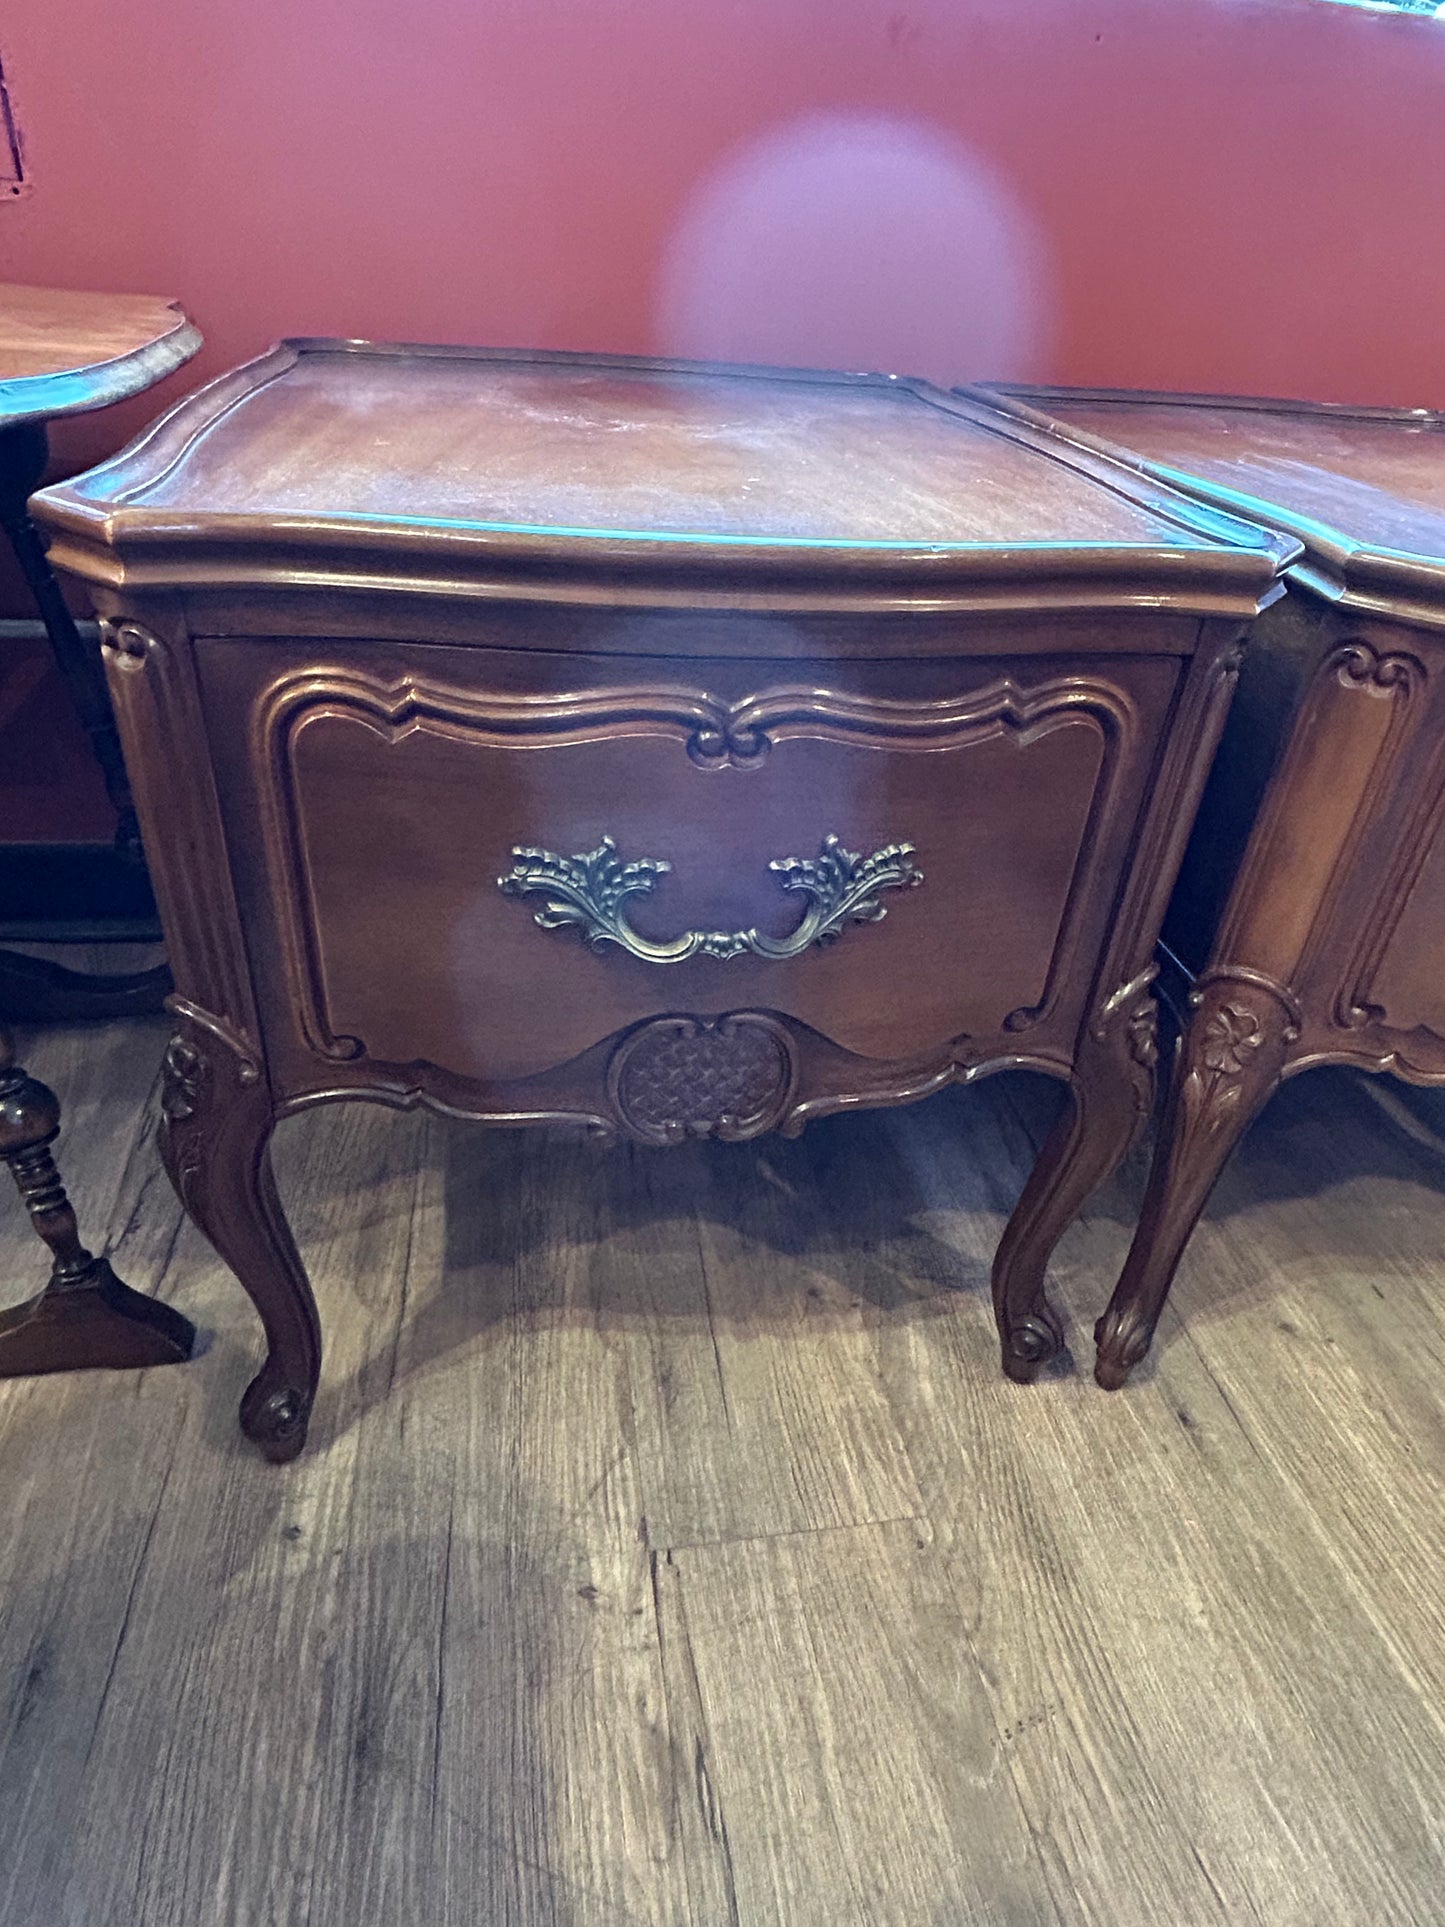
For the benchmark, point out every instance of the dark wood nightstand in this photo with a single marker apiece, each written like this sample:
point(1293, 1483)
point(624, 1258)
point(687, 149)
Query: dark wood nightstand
point(1310, 913)
point(670, 749)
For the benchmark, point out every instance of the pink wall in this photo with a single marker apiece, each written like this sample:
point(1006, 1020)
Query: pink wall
point(1214, 194)
point(1235, 194)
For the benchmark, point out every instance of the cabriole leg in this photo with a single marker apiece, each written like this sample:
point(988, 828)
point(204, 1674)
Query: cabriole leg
point(1231, 1057)
point(1110, 1095)
point(215, 1139)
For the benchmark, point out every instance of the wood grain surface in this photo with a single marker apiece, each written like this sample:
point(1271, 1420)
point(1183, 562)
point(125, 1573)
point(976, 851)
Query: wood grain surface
point(1374, 477)
point(63, 352)
point(570, 444)
point(1363, 489)
point(668, 1553)
point(343, 463)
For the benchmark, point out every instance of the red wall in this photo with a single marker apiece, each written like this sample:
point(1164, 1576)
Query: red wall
point(1213, 194)
point(1235, 194)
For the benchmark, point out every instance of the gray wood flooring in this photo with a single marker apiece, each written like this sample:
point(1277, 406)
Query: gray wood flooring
point(670, 1550)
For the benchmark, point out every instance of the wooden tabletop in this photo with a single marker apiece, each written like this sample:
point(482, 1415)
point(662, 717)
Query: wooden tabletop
point(63, 352)
point(1362, 488)
point(332, 446)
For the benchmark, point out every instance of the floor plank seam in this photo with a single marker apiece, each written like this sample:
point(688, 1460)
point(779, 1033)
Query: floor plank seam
point(140, 1566)
point(441, 1661)
point(404, 1294)
point(162, 1273)
point(1011, 1766)
point(1187, 1335)
point(704, 1785)
point(782, 1535)
point(722, 1383)
point(1210, 1671)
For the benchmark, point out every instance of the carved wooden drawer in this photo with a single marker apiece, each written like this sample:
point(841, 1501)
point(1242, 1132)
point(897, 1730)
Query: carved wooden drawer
point(1310, 912)
point(674, 749)
point(831, 833)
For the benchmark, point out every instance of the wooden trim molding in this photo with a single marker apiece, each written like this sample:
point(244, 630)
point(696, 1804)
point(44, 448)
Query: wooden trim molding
point(1338, 769)
point(153, 688)
point(712, 733)
point(733, 1077)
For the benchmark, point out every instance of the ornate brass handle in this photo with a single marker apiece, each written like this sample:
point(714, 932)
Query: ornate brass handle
point(590, 892)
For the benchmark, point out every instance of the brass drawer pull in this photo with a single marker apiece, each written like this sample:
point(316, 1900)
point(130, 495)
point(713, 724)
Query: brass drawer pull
point(590, 892)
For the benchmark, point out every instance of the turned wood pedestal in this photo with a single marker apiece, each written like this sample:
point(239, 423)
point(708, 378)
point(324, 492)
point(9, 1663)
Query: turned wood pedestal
point(84, 1315)
point(666, 749)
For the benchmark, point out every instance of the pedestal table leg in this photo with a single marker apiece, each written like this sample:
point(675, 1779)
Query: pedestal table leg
point(85, 1315)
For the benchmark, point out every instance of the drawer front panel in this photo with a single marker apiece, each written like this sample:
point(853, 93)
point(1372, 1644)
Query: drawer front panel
point(1407, 987)
point(1372, 980)
point(390, 806)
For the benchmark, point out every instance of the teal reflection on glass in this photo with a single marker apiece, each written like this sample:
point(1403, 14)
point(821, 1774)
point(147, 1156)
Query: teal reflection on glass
point(1434, 7)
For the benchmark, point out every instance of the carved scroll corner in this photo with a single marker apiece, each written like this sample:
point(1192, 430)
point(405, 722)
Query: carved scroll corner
point(1141, 1033)
point(1231, 659)
point(727, 740)
point(202, 1037)
point(185, 1074)
point(208, 1066)
point(1391, 676)
point(1128, 1022)
point(1360, 665)
point(1132, 1011)
point(730, 1077)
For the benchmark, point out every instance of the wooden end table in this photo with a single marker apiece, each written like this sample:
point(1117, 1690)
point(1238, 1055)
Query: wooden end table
point(666, 748)
point(1310, 913)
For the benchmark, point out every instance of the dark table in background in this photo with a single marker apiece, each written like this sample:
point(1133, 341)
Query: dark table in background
point(66, 353)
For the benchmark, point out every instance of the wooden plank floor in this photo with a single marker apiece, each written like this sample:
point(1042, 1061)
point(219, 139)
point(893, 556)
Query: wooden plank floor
point(669, 1549)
